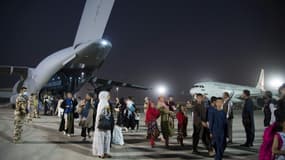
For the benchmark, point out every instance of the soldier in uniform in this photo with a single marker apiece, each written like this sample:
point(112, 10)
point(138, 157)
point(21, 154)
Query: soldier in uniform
point(20, 114)
point(30, 108)
point(33, 106)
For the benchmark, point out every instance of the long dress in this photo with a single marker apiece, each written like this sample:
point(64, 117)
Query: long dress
point(151, 116)
point(167, 128)
point(182, 125)
point(102, 138)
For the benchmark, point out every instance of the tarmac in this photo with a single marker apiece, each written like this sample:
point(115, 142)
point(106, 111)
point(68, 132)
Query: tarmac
point(42, 141)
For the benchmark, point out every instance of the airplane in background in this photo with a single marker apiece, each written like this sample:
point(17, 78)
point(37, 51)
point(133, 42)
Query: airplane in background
point(73, 67)
point(217, 89)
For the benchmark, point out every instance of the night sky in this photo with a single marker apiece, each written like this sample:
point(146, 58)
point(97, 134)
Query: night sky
point(156, 41)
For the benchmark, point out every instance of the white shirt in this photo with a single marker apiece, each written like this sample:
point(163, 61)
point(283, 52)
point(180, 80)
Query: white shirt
point(230, 105)
point(272, 109)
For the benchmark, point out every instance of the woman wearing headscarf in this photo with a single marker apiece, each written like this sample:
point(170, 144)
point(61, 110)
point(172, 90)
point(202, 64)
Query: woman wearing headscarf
point(166, 120)
point(102, 137)
point(152, 113)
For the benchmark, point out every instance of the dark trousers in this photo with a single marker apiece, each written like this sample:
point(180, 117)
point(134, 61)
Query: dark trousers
point(84, 130)
point(205, 137)
point(45, 108)
point(196, 136)
point(137, 124)
point(250, 133)
point(230, 129)
point(219, 146)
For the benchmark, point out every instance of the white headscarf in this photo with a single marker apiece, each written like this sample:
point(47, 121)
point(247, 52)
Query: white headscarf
point(103, 102)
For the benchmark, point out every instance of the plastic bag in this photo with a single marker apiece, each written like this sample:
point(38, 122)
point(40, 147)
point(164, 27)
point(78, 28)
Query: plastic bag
point(118, 136)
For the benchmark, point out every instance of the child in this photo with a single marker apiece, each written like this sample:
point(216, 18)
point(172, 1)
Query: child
point(182, 124)
point(137, 118)
point(278, 147)
point(219, 129)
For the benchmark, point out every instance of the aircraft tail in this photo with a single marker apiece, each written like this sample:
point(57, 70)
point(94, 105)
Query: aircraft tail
point(260, 83)
point(93, 20)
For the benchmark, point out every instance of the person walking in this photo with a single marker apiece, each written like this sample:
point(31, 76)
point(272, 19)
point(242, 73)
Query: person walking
point(30, 108)
point(103, 126)
point(200, 127)
point(171, 104)
point(268, 109)
point(86, 111)
point(182, 118)
point(152, 114)
point(121, 119)
point(137, 119)
point(130, 113)
point(165, 120)
point(20, 114)
point(35, 113)
point(266, 148)
point(280, 111)
point(228, 108)
point(67, 122)
point(218, 129)
point(248, 119)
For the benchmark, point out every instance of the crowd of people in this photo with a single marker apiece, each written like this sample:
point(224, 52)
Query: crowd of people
point(212, 121)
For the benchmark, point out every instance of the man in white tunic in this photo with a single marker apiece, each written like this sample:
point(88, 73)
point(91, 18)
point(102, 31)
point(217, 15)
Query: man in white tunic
point(102, 138)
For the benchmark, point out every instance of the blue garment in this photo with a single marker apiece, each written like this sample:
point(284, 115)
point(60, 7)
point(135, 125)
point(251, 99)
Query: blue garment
point(210, 115)
point(68, 106)
point(247, 112)
point(219, 130)
point(207, 103)
point(248, 121)
point(85, 110)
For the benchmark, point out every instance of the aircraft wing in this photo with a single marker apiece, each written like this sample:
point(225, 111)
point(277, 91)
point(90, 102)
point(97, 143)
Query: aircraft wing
point(14, 70)
point(104, 82)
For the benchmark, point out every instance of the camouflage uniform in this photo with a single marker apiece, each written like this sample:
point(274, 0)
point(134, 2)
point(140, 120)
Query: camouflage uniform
point(33, 108)
point(30, 109)
point(20, 114)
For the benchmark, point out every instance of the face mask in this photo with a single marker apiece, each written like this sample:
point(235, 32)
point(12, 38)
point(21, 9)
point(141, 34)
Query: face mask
point(25, 93)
